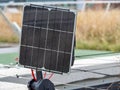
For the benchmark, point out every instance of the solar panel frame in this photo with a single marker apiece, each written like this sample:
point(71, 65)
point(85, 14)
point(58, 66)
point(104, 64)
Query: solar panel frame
point(73, 39)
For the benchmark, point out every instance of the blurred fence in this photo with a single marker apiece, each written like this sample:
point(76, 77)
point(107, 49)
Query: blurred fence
point(80, 5)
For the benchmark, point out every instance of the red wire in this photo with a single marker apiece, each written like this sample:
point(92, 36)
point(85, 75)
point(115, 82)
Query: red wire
point(50, 76)
point(44, 74)
point(33, 75)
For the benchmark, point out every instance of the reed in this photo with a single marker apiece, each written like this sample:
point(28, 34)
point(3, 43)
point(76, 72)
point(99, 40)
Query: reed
point(98, 30)
point(6, 33)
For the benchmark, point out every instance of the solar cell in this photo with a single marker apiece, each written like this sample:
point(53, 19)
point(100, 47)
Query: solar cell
point(52, 40)
point(25, 55)
point(29, 16)
point(55, 17)
point(41, 17)
point(47, 39)
point(68, 21)
point(27, 35)
point(39, 37)
point(37, 59)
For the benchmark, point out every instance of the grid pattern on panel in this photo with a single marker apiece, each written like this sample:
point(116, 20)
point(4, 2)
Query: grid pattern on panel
point(47, 38)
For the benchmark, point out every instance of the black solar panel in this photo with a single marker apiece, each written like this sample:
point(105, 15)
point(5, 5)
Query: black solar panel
point(47, 40)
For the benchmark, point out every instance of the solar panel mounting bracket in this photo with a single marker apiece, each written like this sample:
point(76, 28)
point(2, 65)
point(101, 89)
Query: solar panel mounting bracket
point(50, 7)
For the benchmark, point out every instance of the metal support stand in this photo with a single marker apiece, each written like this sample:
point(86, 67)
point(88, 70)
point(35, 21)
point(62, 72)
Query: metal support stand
point(39, 75)
point(40, 84)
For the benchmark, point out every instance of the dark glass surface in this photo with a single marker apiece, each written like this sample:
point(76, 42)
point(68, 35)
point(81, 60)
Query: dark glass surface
point(23, 37)
point(66, 42)
point(52, 40)
point(42, 17)
point(66, 64)
point(68, 21)
point(22, 58)
point(25, 55)
point(27, 35)
point(29, 15)
point(39, 38)
point(60, 62)
point(37, 58)
point(55, 19)
point(50, 60)
point(40, 58)
point(69, 42)
point(63, 62)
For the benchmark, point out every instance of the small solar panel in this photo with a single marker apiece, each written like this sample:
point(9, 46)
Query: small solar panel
point(47, 40)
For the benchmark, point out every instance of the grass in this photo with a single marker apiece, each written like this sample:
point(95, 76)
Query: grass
point(98, 30)
point(8, 58)
point(15, 17)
